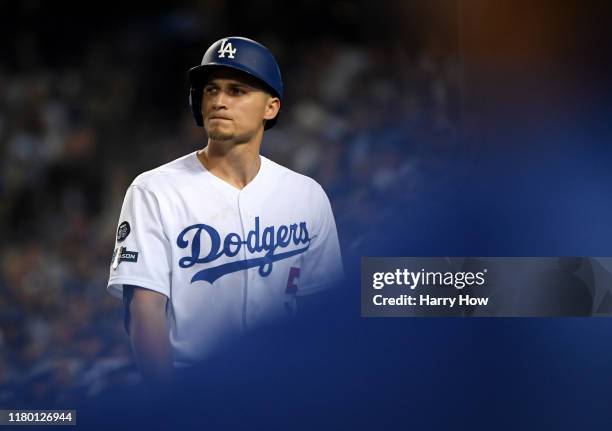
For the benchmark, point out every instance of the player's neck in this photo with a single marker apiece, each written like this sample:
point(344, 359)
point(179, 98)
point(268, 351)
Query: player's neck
point(235, 164)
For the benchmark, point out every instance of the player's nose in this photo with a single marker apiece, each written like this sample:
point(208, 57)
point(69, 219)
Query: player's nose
point(219, 100)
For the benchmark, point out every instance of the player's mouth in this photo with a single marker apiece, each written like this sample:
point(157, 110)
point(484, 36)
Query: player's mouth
point(218, 117)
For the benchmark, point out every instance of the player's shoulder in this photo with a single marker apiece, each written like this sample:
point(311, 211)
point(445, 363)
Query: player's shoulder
point(175, 170)
point(290, 178)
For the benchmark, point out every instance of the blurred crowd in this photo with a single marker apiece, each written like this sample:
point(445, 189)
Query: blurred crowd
point(373, 123)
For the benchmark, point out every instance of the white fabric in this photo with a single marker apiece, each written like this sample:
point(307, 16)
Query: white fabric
point(185, 222)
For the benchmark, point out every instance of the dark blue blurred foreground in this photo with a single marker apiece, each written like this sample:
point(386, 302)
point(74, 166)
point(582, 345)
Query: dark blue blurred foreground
point(333, 370)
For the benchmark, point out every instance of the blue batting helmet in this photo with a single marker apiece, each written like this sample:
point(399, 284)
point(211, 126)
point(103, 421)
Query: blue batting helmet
point(241, 54)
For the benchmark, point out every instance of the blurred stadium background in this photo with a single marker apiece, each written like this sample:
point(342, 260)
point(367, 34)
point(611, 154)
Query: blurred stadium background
point(385, 102)
point(90, 101)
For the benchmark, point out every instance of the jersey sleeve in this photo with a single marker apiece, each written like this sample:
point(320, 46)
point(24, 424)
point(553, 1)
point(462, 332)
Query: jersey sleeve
point(322, 265)
point(142, 255)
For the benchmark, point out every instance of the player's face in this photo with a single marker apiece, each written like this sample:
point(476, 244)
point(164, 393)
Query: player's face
point(235, 106)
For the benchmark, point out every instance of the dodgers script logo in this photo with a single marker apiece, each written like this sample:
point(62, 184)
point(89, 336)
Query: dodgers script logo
point(271, 240)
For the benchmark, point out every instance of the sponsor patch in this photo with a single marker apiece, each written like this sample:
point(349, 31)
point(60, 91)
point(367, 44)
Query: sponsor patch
point(123, 231)
point(122, 255)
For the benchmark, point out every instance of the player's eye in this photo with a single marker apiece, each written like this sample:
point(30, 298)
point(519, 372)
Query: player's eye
point(236, 91)
point(210, 89)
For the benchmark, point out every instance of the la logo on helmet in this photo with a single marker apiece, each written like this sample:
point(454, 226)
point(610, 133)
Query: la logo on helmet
point(226, 48)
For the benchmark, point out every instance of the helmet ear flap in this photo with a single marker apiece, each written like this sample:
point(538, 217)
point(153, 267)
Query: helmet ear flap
point(195, 101)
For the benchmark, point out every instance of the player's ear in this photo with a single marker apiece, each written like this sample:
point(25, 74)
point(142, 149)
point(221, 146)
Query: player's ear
point(272, 108)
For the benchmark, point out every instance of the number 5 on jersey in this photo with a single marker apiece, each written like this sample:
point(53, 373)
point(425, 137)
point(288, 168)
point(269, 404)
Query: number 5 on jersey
point(292, 281)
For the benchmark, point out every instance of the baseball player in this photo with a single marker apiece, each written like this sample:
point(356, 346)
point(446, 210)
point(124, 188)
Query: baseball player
point(221, 240)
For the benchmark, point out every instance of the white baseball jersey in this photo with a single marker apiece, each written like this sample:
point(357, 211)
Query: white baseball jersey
point(228, 259)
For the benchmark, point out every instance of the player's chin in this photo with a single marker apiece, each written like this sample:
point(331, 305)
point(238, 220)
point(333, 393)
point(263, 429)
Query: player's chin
point(220, 133)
